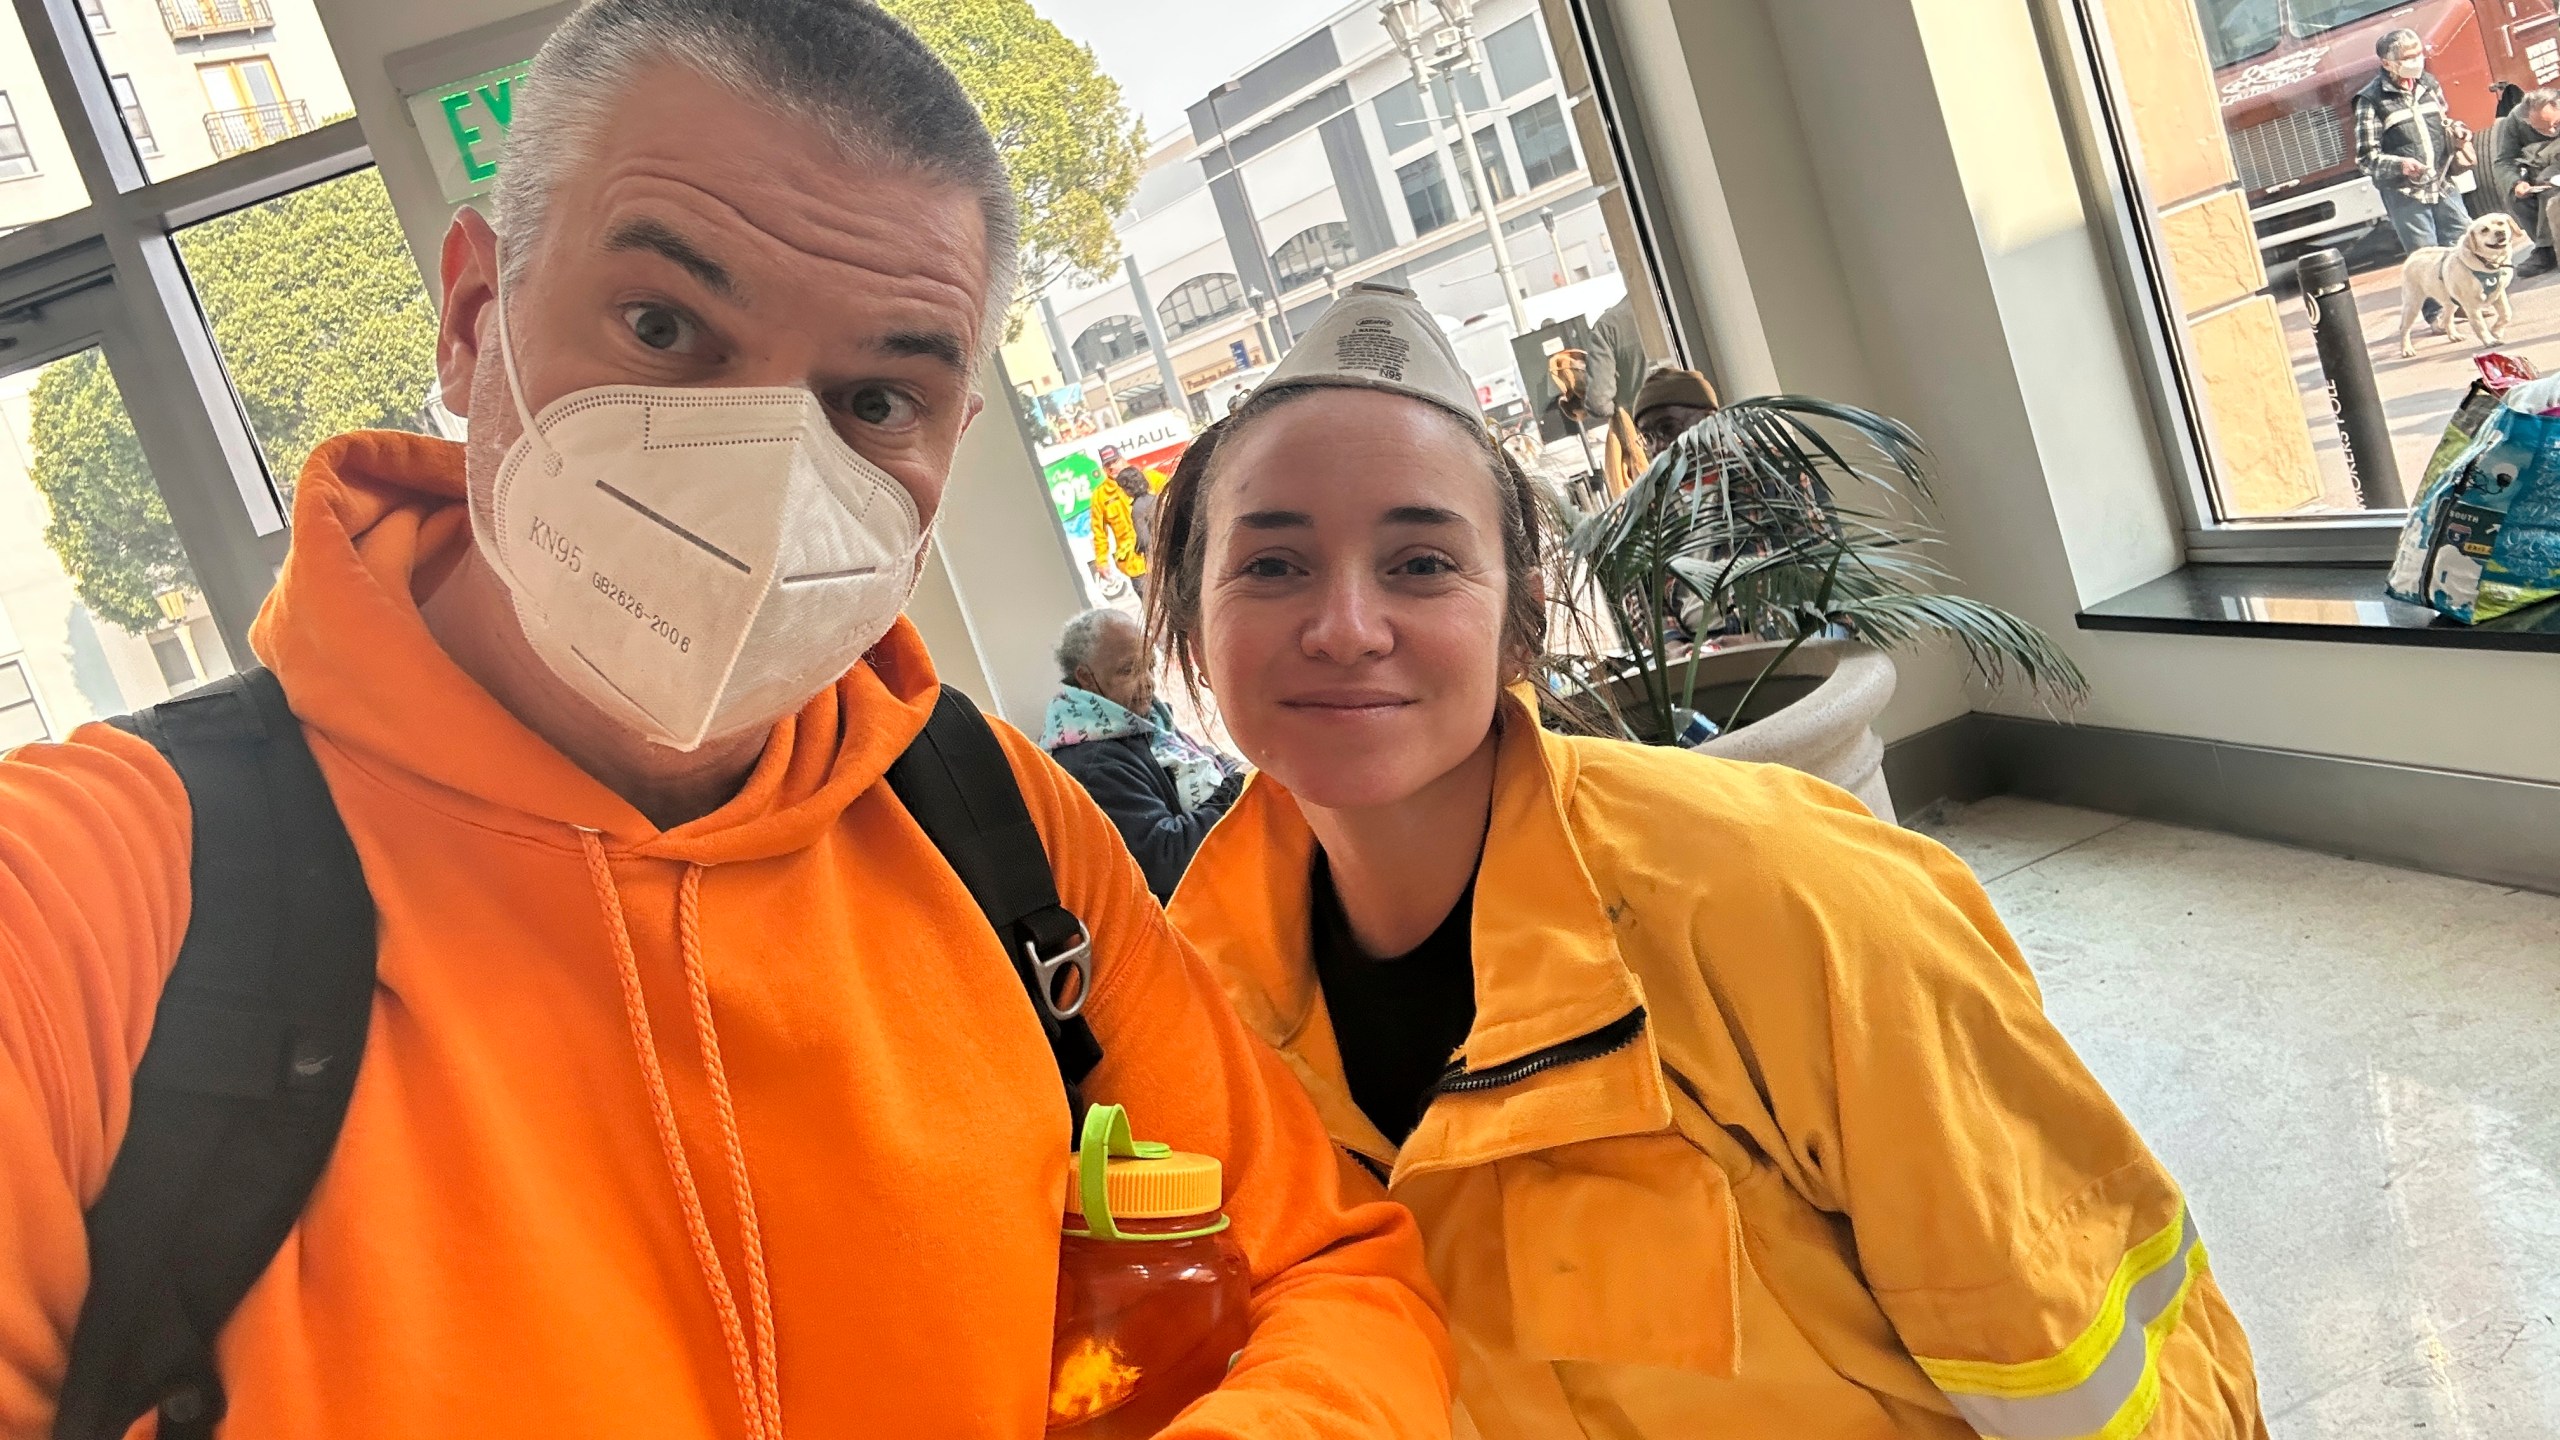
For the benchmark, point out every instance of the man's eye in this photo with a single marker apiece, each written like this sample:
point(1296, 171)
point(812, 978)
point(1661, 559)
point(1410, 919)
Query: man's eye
point(880, 405)
point(659, 327)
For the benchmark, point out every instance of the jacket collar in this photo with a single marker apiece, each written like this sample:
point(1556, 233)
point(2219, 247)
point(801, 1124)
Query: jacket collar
point(1548, 971)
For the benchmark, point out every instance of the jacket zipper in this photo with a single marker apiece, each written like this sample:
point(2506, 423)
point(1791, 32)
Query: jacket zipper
point(1609, 1039)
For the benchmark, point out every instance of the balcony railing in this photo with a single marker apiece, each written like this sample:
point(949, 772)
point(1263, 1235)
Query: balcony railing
point(189, 19)
point(233, 131)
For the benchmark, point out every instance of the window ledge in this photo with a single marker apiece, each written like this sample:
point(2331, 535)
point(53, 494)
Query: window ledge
point(2339, 603)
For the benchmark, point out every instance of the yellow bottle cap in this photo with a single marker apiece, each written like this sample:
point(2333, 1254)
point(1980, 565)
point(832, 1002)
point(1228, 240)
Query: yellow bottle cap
point(1171, 1187)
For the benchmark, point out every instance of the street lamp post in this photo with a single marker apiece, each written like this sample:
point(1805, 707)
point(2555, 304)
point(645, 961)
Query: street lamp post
point(1448, 47)
point(1244, 197)
point(1263, 310)
point(1547, 218)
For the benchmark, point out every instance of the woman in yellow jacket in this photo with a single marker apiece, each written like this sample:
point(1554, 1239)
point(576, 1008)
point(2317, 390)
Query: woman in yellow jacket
point(1755, 1126)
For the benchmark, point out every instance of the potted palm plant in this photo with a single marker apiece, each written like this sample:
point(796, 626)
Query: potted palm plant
point(1750, 581)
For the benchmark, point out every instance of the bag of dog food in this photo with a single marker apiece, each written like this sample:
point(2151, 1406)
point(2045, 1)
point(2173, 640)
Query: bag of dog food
point(2499, 373)
point(2483, 538)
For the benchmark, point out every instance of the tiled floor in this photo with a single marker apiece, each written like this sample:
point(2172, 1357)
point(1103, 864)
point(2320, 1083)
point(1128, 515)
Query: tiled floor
point(2355, 1071)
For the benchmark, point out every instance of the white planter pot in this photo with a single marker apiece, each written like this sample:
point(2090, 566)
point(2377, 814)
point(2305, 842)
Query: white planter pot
point(1816, 714)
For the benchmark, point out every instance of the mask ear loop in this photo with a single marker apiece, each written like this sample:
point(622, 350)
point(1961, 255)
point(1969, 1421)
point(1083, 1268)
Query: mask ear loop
point(515, 383)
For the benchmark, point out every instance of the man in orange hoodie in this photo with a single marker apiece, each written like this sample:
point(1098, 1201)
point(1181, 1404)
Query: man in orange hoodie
point(699, 1098)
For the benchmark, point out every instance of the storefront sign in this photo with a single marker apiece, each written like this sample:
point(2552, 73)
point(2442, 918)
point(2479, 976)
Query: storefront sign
point(464, 125)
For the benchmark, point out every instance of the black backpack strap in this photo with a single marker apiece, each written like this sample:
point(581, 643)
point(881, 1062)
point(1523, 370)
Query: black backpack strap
point(958, 784)
point(252, 1059)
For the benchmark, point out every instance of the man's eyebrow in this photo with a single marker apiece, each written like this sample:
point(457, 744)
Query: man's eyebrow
point(1424, 515)
point(1275, 520)
point(929, 344)
point(656, 239)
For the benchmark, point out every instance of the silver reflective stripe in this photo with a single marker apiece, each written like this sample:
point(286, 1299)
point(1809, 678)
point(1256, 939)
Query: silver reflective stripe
point(2085, 1408)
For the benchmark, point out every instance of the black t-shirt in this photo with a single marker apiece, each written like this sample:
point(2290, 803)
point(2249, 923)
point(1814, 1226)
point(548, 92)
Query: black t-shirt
point(1398, 1021)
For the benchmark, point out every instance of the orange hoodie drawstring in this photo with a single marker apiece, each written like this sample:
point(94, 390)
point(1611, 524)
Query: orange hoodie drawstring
point(754, 1369)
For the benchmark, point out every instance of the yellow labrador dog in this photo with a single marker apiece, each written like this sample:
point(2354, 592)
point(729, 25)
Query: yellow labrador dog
point(2473, 279)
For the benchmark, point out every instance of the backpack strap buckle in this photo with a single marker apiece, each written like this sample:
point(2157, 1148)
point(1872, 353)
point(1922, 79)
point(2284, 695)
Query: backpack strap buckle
point(1063, 975)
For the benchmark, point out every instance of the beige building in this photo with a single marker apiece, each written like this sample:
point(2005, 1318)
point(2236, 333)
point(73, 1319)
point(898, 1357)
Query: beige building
point(197, 81)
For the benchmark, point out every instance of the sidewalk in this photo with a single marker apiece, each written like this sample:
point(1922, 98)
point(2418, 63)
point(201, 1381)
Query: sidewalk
point(2418, 394)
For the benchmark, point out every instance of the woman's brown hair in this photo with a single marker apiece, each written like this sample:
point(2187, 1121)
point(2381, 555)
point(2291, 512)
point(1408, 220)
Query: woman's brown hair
point(1182, 542)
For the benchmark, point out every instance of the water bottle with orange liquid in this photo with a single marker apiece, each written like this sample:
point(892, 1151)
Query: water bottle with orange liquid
point(1152, 1291)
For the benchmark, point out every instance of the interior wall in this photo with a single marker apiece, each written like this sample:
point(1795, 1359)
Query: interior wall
point(1985, 312)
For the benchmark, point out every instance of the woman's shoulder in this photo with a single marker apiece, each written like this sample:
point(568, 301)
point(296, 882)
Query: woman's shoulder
point(1706, 830)
point(1660, 787)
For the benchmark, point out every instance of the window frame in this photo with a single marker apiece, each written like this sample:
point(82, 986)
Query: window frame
point(1190, 295)
point(137, 125)
point(1535, 26)
point(1322, 250)
point(1544, 104)
point(34, 701)
point(1448, 193)
point(11, 125)
point(2078, 61)
point(1128, 324)
point(195, 434)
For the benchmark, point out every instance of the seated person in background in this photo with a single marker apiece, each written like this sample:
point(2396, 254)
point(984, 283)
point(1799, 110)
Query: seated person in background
point(2524, 151)
point(1107, 728)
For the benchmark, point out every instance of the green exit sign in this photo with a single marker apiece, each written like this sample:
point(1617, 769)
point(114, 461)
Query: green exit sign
point(464, 124)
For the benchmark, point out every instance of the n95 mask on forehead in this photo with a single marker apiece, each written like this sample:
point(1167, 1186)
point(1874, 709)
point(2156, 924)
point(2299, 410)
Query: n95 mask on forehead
point(696, 562)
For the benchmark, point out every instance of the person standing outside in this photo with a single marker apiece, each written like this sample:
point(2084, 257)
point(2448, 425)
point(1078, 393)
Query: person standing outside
point(2409, 142)
point(2524, 151)
point(1119, 533)
point(699, 1098)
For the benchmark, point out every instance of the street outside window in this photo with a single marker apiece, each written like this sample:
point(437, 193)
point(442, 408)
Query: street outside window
point(2251, 181)
point(1292, 149)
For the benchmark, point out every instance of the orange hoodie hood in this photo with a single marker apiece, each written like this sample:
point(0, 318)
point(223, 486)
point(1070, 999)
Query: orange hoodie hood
point(379, 523)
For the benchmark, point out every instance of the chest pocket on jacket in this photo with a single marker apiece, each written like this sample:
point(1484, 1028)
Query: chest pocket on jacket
point(1623, 1251)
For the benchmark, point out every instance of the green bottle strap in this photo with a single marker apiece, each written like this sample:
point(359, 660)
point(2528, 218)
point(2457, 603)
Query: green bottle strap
point(1107, 1137)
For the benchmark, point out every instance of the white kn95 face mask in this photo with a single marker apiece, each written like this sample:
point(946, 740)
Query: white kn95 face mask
point(695, 562)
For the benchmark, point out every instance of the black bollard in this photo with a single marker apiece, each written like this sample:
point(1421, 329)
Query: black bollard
point(2339, 332)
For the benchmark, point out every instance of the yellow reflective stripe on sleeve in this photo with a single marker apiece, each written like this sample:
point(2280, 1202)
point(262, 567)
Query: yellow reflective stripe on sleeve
point(2105, 1384)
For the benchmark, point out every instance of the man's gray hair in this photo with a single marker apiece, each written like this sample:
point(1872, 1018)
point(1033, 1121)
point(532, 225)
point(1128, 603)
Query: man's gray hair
point(2392, 40)
point(1076, 643)
point(2536, 100)
point(844, 66)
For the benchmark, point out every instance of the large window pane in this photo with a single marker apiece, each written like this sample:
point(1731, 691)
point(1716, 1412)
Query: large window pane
point(1426, 194)
point(1518, 56)
point(1290, 151)
point(98, 609)
point(2240, 116)
point(319, 314)
point(1488, 149)
point(1546, 143)
point(202, 80)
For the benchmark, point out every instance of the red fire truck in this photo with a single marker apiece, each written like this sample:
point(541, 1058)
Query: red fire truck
point(2289, 71)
